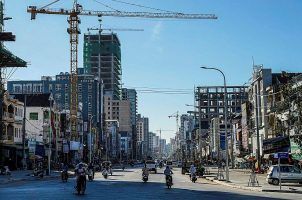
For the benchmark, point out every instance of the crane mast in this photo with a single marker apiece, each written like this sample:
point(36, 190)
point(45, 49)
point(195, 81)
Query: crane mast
point(74, 32)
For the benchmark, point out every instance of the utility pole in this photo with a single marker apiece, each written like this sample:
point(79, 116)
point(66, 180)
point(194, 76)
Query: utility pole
point(24, 132)
point(1, 115)
point(199, 124)
point(50, 132)
point(257, 123)
point(90, 138)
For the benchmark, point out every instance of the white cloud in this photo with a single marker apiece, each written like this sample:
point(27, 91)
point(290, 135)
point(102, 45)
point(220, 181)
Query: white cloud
point(156, 31)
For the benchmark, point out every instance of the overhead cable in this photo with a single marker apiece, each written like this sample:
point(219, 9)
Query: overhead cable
point(141, 6)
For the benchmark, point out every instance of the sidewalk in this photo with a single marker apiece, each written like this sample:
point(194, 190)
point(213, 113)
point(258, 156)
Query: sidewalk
point(240, 178)
point(24, 175)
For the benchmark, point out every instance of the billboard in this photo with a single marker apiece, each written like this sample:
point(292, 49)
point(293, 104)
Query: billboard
point(222, 140)
point(295, 149)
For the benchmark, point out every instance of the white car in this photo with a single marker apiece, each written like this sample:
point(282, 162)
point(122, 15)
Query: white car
point(151, 165)
point(289, 174)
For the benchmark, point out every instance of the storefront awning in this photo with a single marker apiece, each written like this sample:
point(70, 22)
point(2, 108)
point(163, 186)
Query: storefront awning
point(15, 146)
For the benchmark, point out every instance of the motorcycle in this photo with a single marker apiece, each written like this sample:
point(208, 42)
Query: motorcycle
point(90, 175)
point(64, 176)
point(169, 181)
point(145, 178)
point(160, 165)
point(38, 172)
point(81, 184)
point(193, 178)
point(5, 171)
point(105, 174)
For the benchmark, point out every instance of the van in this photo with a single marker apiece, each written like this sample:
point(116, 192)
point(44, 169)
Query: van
point(169, 164)
point(289, 174)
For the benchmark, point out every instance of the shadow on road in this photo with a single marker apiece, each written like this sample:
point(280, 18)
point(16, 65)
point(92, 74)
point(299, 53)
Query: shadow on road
point(103, 189)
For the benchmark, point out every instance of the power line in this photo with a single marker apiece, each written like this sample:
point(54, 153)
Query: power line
point(142, 6)
point(34, 125)
point(106, 6)
point(157, 88)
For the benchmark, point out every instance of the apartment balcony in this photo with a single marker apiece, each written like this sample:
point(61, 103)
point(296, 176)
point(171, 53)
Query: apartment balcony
point(18, 118)
point(10, 117)
point(7, 139)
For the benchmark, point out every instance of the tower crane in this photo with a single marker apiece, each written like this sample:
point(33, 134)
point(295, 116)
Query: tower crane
point(176, 115)
point(74, 31)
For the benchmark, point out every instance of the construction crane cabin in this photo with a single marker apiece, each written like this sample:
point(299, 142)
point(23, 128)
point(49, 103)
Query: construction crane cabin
point(74, 32)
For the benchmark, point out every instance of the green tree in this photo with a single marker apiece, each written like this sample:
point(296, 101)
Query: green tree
point(291, 106)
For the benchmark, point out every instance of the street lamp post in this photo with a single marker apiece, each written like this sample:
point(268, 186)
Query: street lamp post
point(225, 121)
point(90, 138)
point(50, 132)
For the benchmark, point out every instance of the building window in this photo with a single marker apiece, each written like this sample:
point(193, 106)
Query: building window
point(33, 116)
point(57, 97)
point(58, 87)
point(17, 88)
point(80, 88)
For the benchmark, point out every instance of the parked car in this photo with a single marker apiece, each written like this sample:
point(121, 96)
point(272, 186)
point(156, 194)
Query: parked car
point(289, 174)
point(151, 165)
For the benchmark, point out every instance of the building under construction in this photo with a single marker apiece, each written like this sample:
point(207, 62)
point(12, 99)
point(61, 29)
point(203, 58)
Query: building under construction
point(210, 101)
point(12, 142)
point(102, 58)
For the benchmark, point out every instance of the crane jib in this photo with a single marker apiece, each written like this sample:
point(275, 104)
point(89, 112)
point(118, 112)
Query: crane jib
point(34, 10)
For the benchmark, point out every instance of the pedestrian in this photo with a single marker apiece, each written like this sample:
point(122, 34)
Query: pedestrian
point(223, 165)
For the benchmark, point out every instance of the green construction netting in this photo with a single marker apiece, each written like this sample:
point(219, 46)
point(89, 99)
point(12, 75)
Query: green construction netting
point(95, 48)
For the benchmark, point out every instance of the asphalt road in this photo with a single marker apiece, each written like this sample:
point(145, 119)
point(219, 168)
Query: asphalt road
point(128, 185)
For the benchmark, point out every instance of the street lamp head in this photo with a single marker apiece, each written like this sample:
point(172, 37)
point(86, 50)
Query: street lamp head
point(203, 67)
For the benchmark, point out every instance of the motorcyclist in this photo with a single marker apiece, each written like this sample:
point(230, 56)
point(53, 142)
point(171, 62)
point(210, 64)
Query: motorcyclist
point(65, 167)
point(145, 171)
point(168, 172)
point(110, 169)
point(80, 171)
point(192, 170)
point(91, 167)
point(105, 171)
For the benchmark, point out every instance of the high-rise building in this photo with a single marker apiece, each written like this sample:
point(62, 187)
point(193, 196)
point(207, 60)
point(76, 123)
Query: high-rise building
point(131, 96)
point(151, 144)
point(187, 123)
point(143, 135)
point(102, 58)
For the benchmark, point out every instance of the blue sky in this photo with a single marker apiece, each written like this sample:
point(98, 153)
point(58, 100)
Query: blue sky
point(168, 53)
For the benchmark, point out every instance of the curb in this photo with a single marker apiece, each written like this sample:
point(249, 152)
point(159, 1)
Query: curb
point(255, 189)
point(30, 178)
point(283, 191)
